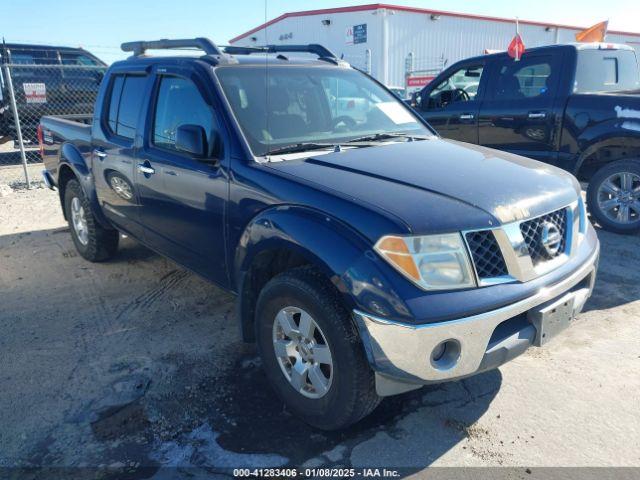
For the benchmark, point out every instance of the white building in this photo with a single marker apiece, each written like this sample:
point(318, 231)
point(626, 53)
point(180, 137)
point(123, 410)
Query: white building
point(389, 40)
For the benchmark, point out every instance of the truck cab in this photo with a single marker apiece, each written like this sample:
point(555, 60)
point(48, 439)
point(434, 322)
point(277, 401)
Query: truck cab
point(369, 256)
point(563, 104)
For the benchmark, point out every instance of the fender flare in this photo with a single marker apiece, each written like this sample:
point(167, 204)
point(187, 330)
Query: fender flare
point(70, 157)
point(313, 237)
point(609, 137)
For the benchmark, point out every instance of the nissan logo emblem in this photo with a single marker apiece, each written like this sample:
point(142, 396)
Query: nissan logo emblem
point(551, 239)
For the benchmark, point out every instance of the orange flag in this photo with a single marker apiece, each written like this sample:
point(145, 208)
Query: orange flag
point(593, 34)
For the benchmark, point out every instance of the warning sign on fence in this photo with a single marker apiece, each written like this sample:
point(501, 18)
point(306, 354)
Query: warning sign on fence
point(35, 92)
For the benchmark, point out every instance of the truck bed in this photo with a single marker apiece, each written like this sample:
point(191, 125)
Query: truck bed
point(58, 130)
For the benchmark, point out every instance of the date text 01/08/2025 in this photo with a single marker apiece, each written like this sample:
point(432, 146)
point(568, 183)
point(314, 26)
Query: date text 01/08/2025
point(315, 472)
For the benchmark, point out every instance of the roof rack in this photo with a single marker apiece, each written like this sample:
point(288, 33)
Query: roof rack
point(207, 46)
point(321, 51)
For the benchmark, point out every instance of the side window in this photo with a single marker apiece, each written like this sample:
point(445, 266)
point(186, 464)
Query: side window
point(114, 101)
point(32, 57)
point(124, 104)
point(179, 103)
point(461, 86)
point(528, 78)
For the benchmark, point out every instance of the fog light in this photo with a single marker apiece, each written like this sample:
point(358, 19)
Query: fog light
point(445, 355)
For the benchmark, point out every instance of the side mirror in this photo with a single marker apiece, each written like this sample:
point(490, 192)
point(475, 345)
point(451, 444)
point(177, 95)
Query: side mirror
point(192, 139)
point(415, 99)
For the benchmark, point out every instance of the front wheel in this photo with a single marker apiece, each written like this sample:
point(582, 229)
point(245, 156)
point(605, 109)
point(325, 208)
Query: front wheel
point(613, 196)
point(311, 351)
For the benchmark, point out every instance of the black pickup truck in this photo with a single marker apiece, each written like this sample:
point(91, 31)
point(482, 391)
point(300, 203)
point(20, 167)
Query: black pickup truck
point(369, 256)
point(66, 78)
point(573, 106)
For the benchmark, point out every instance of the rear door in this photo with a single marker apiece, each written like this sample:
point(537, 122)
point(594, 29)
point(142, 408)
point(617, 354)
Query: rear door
point(451, 105)
point(114, 147)
point(183, 198)
point(519, 112)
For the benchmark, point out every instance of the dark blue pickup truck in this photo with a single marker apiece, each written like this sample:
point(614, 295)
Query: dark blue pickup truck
point(368, 255)
point(574, 106)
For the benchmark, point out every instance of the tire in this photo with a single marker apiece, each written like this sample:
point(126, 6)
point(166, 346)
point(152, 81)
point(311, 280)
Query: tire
point(350, 393)
point(93, 242)
point(606, 186)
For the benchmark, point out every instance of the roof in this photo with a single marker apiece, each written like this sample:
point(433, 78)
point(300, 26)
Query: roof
point(252, 60)
point(30, 46)
point(543, 48)
point(376, 6)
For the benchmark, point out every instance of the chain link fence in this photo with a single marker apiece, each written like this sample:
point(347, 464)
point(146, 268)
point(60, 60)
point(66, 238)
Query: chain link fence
point(361, 61)
point(30, 91)
point(420, 70)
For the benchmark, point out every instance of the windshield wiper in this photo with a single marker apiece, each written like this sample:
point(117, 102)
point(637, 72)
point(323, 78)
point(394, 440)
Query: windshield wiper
point(376, 137)
point(363, 141)
point(299, 147)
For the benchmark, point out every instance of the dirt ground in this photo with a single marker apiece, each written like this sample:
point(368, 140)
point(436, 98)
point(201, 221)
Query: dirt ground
point(137, 364)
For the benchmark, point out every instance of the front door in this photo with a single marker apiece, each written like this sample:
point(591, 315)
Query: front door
point(451, 106)
point(183, 198)
point(519, 113)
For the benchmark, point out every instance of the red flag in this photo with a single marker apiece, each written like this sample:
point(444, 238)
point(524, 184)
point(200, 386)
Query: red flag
point(516, 47)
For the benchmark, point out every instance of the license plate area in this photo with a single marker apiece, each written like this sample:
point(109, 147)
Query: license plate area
point(552, 318)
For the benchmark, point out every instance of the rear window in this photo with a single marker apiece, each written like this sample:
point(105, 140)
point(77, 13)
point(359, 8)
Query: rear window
point(606, 71)
point(125, 102)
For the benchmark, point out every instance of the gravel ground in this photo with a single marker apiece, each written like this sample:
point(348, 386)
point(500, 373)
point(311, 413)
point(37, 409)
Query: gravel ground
point(137, 364)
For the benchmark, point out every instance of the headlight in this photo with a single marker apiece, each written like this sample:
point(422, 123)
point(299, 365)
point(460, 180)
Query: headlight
point(433, 262)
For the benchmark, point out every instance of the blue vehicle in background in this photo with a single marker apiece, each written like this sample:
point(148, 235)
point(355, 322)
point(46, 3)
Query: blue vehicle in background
point(369, 256)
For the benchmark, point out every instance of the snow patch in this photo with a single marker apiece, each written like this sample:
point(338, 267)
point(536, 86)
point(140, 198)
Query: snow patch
point(201, 449)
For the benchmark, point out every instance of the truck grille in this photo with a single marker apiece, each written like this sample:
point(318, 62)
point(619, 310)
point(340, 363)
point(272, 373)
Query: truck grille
point(532, 231)
point(486, 254)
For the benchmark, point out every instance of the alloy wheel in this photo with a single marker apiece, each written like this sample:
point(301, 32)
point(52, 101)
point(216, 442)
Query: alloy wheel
point(618, 197)
point(79, 221)
point(302, 352)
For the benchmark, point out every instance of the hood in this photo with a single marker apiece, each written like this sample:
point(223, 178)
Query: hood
point(440, 185)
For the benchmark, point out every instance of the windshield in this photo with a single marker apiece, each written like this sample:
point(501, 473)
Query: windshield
point(606, 71)
point(283, 106)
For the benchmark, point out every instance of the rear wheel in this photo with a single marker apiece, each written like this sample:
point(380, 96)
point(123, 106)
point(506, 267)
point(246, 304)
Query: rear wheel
point(311, 351)
point(613, 196)
point(94, 242)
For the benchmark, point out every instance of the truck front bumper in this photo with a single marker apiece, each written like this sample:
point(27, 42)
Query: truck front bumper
point(405, 356)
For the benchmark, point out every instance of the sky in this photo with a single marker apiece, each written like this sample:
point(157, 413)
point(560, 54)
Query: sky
point(101, 26)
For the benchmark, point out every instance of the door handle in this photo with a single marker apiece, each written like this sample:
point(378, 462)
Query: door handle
point(142, 168)
point(537, 114)
point(99, 153)
point(467, 116)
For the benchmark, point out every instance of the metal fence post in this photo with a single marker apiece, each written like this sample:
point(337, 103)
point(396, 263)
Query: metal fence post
point(367, 61)
point(408, 69)
point(16, 118)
